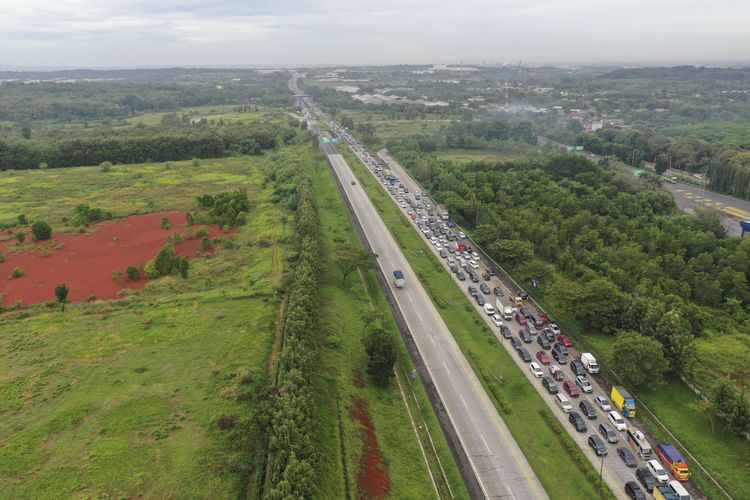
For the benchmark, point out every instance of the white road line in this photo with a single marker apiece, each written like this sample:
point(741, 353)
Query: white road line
point(467, 407)
point(485, 442)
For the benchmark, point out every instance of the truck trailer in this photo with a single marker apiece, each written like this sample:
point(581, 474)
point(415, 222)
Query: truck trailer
point(673, 460)
point(623, 401)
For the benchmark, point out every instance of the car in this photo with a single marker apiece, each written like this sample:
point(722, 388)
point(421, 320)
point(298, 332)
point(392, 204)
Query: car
point(354, 183)
point(647, 480)
point(530, 328)
point(556, 373)
point(524, 355)
point(656, 470)
point(525, 336)
point(520, 318)
point(444, 253)
point(544, 317)
point(498, 291)
point(550, 385)
point(515, 342)
point(486, 276)
point(596, 444)
point(627, 456)
point(497, 319)
point(535, 369)
point(505, 332)
point(525, 311)
point(461, 235)
point(543, 342)
point(523, 294)
point(576, 419)
point(617, 421)
point(479, 299)
point(571, 389)
point(633, 491)
point(559, 357)
point(491, 271)
point(543, 357)
point(485, 289)
point(602, 402)
point(489, 310)
point(587, 409)
point(472, 290)
point(560, 348)
point(461, 276)
point(565, 340)
point(608, 432)
point(549, 335)
point(474, 264)
point(577, 367)
point(584, 384)
point(475, 255)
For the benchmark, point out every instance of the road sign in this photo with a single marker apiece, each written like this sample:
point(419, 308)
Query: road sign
point(745, 225)
point(326, 140)
point(638, 172)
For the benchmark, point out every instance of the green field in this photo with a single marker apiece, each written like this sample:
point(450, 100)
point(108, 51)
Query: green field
point(344, 361)
point(224, 112)
point(562, 469)
point(122, 398)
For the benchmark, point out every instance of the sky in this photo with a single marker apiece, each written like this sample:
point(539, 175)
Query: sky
point(145, 33)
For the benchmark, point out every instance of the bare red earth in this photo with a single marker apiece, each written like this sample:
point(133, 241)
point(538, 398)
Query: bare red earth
point(373, 481)
point(85, 262)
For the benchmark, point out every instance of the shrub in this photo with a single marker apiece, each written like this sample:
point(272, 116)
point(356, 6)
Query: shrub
point(202, 232)
point(189, 220)
point(195, 162)
point(21, 220)
point(105, 166)
point(150, 271)
point(41, 230)
point(17, 273)
point(205, 244)
point(2, 257)
point(226, 422)
point(21, 237)
point(176, 238)
point(117, 276)
point(165, 223)
point(133, 273)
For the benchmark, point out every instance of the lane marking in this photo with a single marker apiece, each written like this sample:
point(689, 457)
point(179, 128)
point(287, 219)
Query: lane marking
point(487, 447)
point(467, 407)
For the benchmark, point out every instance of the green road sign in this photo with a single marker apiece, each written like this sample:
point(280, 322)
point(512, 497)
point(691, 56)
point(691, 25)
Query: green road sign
point(637, 173)
point(326, 139)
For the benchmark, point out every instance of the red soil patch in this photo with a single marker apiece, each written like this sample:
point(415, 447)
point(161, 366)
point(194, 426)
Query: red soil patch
point(85, 262)
point(372, 481)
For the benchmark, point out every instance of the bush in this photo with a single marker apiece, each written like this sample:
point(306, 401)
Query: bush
point(20, 237)
point(133, 273)
point(21, 220)
point(117, 276)
point(202, 232)
point(205, 244)
point(195, 162)
point(41, 230)
point(105, 166)
point(226, 422)
point(165, 223)
point(2, 257)
point(150, 271)
point(16, 273)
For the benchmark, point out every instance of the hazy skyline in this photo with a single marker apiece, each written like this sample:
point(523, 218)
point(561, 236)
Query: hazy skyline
point(116, 33)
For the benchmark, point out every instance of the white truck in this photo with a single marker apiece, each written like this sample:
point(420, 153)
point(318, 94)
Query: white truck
point(589, 362)
point(507, 310)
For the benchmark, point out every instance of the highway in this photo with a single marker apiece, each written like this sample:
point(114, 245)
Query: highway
point(496, 459)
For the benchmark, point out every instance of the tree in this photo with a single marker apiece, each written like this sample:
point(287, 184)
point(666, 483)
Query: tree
point(26, 132)
point(133, 273)
point(661, 163)
point(184, 267)
point(61, 294)
point(164, 262)
point(21, 220)
point(674, 334)
point(189, 219)
point(575, 126)
point(20, 237)
point(512, 251)
point(640, 359)
point(381, 352)
point(40, 230)
point(348, 259)
point(165, 223)
point(739, 420)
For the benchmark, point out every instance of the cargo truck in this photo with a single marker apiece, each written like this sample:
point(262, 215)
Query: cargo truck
point(589, 362)
point(398, 278)
point(623, 401)
point(663, 492)
point(508, 313)
point(673, 461)
point(637, 440)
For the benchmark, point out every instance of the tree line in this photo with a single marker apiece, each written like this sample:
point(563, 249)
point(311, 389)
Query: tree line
point(237, 139)
point(612, 251)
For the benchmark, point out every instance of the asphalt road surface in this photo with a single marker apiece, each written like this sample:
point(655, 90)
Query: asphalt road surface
point(497, 460)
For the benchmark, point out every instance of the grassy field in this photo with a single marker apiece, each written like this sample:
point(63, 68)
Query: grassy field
point(343, 371)
point(122, 399)
point(225, 112)
point(735, 133)
point(529, 419)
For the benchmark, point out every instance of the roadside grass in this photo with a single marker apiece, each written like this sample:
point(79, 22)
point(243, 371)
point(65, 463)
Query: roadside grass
point(343, 360)
point(122, 398)
point(562, 472)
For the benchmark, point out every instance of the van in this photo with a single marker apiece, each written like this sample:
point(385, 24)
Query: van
point(536, 319)
point(508, 313)
point(563, 402)
point(679, 490)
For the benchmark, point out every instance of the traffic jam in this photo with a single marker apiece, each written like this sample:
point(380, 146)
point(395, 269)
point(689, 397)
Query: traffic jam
point(599, 420)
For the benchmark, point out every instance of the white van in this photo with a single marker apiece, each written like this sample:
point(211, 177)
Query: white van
point(489, 309)
point(563, 402)
point(616, 420)
point(679, 490)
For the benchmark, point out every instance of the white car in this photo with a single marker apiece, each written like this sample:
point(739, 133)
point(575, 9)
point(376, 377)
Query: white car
point(475, 255)
point(474, 264)
point(498, 320)
point(658, 471)
point(489, 309)
point(536, 370)
point(584, 384)
point(438, 246)
point(403, 205)
point(554, 329)
point(617, 421)
point(461, 235)
point(602, 402)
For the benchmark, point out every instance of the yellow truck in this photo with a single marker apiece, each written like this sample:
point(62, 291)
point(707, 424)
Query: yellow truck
point(623, 401)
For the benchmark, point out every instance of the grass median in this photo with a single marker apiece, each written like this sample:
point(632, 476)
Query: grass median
point(559, 466)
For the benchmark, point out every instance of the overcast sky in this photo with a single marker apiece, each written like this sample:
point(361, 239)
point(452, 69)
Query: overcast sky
point(112, 33)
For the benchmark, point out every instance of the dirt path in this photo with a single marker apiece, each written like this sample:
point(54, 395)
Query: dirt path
point(372, 480)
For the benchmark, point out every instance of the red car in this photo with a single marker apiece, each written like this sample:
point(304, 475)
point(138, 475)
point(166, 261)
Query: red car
point(565, 340)
point(545, 318)
point(413, 216)
point(520, 318)
point(571, 389)
point(543, 357)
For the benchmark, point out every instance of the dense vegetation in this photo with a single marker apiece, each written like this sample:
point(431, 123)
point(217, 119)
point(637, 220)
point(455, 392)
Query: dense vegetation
point(618, 255)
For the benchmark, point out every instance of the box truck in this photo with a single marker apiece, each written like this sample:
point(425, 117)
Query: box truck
point(623, 401)
point(673, 460)
point(589, 362)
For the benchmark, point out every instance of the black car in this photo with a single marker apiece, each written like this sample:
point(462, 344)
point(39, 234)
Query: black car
point(515, 342)
point(560, 348)
point(491, 271)
point(525, 311)
point(597, 444)
point(505, 332)
point(486, 276)
point(587, 409)
point(559, 357)
point(549, 334)
point(550, 385)
point(523, 294)
point(480, 300)
point(627, 456)
point(576, 419)
point(498, 291)
point(472, 291)
point(647, 480)
point(543, 342)
point(485, 289)
point(524, 355)
point(632, 490)
point(526, 336)
point(577, 367)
